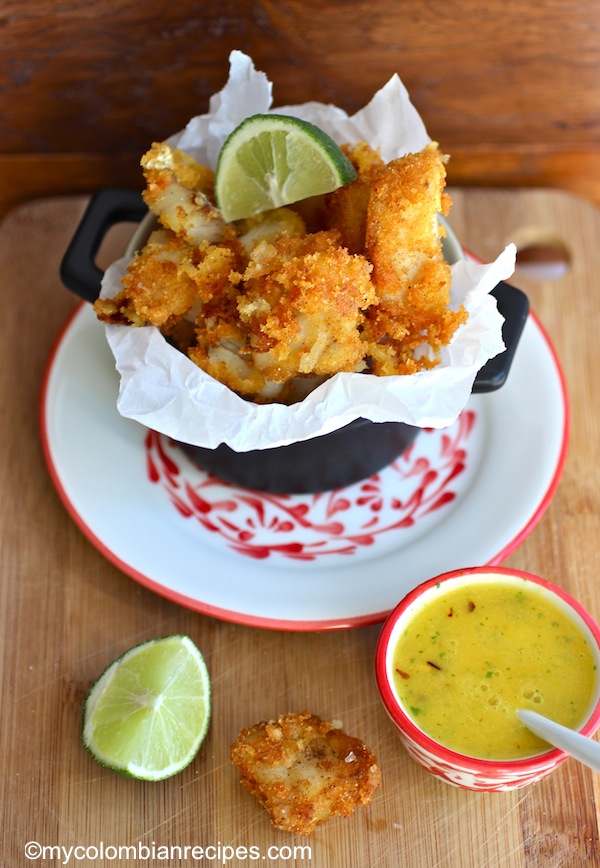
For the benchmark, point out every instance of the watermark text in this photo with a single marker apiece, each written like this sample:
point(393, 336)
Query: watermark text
point(139, 852)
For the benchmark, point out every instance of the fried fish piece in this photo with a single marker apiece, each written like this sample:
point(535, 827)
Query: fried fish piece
point(302, 304)
point(345, 209)
point(304, 771)
point(268, 226)
point(299, 305)
point(156, 291)
point(166, 280)
point(402, 228)
point(221, 350)
point(179, 191)
point(411, 278)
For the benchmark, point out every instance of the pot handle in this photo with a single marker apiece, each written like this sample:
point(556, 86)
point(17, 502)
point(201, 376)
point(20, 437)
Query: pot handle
point(513, 305)
point(78, 269)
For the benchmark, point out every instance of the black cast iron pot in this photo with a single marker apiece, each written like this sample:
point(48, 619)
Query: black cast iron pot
point(334, 460)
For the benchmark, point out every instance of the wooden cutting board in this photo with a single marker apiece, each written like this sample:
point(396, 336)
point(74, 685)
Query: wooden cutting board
point(66, 612)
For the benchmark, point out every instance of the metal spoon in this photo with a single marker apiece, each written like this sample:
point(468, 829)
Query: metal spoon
point(581, 748)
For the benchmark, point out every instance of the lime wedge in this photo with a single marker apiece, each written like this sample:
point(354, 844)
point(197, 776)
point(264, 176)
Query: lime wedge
point(273, 160)
point(148, 713)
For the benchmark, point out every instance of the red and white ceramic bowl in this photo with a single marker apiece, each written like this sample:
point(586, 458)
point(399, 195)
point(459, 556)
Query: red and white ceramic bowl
point(455, 768)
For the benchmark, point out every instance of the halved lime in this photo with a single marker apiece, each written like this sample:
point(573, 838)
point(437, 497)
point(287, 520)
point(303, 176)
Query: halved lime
point(273, 160)
point(148, 713)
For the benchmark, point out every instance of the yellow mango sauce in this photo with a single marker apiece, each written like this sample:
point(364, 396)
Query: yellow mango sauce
point(475, 654)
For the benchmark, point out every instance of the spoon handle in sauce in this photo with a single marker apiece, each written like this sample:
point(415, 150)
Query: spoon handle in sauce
point(581, 748)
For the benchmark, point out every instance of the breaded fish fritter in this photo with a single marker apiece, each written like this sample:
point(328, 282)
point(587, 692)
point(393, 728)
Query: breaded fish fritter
point(155, 289)
point(346, 208)
point(166, 280)
point(411, 278)
point(179, 190)
point(302, 303)
point(299, 306)
point(268, 226)
point(402, 227)
point(220, 348)
point(304, 771)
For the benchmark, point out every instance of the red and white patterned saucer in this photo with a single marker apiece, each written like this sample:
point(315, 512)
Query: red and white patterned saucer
point(464, 496)
point(363, 519)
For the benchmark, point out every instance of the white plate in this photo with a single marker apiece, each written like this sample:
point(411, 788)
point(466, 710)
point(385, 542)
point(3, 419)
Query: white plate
point(461, 497)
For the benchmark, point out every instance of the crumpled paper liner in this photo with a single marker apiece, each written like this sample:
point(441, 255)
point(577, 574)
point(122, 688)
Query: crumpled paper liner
point(164, 390)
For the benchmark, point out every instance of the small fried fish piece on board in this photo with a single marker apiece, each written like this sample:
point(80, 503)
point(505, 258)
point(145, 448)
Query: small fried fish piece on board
point(304, 771)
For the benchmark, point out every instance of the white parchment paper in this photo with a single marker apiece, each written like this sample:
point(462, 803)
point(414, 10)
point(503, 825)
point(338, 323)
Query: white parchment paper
point(164, 390)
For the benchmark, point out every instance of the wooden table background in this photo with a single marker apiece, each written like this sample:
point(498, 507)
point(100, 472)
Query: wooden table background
point(509, 89)
point(65, 613)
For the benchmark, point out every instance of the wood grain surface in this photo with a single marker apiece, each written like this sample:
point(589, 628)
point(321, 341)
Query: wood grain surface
point(509, 89)
point(66, 612)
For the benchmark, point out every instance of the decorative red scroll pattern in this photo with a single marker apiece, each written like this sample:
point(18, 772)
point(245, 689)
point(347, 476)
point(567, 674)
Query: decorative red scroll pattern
point(304, 527)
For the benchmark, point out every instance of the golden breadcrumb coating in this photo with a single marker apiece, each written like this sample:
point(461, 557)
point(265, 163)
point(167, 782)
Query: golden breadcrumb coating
point(179, 190)
point(221, 347)
point(304, 771)
point(164, 164)
point(156, 289)
point(365, 159)
point(345, 209)
point(297, 314)
point(166, 280)
point(412, 280)
point(302, 303)
point(268, 226)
